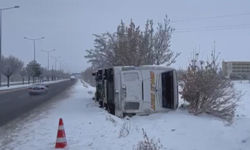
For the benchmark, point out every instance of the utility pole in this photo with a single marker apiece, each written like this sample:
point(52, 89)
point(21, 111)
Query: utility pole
point(61, 64)
point(55, 59)
point(2, 9)
point(34, 43)
point(61, 73)
point(52, 76)
point(48, 55)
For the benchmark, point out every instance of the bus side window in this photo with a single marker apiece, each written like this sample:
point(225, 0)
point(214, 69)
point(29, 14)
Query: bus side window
point(131, 76)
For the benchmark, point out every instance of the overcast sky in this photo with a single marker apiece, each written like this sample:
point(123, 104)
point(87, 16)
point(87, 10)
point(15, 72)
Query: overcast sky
point(68, 25)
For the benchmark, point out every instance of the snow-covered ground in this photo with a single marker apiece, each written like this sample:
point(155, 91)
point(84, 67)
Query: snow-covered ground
point(14, 82)
point(26, 85)
point(91, 128)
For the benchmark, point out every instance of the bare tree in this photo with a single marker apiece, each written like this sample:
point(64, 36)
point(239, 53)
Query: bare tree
point(23, 73)
point(29, 71)
point(2, 62)
point(57, 73)
point(103, 54)
point(129, 45)
point(162, 51)
point(33, 70)
point(11, 65)
point(207, 91)
point(87, 76)
point(46, 73)
point(147, 44)
point(1, 66)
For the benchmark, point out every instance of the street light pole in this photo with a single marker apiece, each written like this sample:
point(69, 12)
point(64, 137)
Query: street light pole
point(55, 59)
point(62, 67)
point(48, 55)
point(61, 64)
point(34, 43)
point(1, 9)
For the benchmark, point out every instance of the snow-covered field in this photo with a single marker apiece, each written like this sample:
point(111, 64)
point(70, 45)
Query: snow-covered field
point(26, 85)
point(91, 128)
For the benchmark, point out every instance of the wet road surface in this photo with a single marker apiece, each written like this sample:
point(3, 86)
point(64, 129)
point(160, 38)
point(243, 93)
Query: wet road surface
point(17, 102)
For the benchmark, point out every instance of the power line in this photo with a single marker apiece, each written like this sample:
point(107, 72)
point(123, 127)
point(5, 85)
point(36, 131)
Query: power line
point(211, 29)
point(225, 26)
point(206, 18)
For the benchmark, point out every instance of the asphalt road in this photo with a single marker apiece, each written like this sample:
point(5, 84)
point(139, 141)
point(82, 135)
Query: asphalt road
point(16, 102)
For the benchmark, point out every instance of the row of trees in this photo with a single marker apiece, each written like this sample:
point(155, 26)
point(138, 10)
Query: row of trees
point(202, 84)
point(87, 76)
point(11, 65)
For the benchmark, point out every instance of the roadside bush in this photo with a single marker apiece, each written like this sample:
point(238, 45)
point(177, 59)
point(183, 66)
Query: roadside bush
point(148, 144)
point(124, 130)
point(207, 91)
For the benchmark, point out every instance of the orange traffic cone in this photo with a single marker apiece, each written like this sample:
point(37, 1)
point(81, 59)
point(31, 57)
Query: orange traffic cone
point(61, 141)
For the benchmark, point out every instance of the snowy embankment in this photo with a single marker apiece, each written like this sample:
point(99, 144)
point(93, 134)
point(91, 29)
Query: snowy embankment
point(88, 127)
point(14, 82)
point(27, 85)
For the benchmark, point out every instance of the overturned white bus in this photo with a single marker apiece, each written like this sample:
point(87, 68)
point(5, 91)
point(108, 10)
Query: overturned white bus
point(129, 90)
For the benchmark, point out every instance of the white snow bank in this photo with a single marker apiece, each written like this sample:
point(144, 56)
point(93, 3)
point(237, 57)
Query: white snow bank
point(86, 85)
point(244, 105)
point(27, 85)
point(89, 127)
point(14, 82)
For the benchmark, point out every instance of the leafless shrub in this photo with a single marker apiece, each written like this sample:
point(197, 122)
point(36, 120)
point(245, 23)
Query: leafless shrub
point(148, 144)
point(124, 131)
point(206, 90)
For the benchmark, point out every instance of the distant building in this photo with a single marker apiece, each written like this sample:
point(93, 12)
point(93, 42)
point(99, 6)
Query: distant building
point(235, 68)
